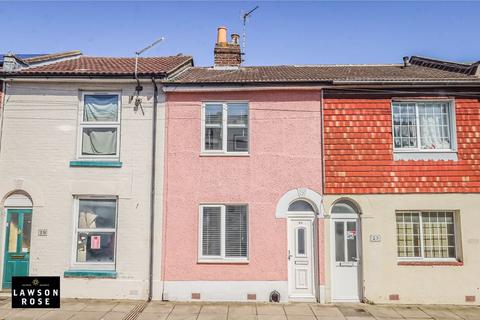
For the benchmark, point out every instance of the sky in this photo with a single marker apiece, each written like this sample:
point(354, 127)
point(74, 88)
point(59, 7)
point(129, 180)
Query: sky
point(279, 32)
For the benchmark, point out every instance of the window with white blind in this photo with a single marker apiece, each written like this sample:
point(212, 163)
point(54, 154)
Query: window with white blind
point(99, 130)
point(428, 235)
point(223, 232)
point(423, 126)
point(225, 128)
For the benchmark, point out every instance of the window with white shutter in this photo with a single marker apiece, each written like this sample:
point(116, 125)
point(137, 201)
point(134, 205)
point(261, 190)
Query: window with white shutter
point(223, 232)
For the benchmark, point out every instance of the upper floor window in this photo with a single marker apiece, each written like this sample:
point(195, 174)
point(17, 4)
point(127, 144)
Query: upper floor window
point(100, 125)
point(225, 128)
point(423, 126)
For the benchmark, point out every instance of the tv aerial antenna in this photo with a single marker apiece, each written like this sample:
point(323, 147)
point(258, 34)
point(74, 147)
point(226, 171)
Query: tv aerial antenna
point(139, 88)
point(245, 17)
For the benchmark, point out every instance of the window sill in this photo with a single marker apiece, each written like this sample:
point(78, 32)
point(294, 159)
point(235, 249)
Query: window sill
point(224, 155)
point(96, 164)
point(97, 274)
point(430, 263)
point(223, 261)
point(425, 155)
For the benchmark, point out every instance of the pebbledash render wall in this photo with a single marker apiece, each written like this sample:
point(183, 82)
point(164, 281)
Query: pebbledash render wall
point(39, 140)
point(360, 166)
point(284, 154)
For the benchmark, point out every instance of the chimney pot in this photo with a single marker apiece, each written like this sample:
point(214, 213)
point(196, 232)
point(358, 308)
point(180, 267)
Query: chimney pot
point(227, 54)
point(222, 35)
point(235, 38)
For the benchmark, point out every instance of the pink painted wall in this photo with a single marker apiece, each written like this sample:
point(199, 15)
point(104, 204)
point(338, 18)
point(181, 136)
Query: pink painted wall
point(285, 153)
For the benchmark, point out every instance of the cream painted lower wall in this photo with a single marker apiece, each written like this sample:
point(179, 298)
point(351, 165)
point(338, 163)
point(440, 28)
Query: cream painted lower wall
point(382, 276)
point(224, 290)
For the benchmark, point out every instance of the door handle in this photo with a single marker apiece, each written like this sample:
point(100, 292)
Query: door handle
point(289, 255)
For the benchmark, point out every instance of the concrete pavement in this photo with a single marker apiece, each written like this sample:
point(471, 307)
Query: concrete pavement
point(73, 309)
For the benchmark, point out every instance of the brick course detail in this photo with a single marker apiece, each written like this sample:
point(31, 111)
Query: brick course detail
point(359, 152)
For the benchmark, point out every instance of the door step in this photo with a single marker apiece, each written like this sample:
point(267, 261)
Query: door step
point(5, 293)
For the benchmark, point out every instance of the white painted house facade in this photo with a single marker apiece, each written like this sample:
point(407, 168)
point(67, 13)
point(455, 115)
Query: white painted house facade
point(78, 189)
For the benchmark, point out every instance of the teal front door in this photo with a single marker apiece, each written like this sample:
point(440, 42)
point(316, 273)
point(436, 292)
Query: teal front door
point(17, 244)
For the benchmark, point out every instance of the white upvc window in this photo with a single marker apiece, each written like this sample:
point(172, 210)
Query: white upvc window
point(223, 233)
point(225, 128)
point(427, 235)
point(95, 220)
point(423, 126)
point(99, 125)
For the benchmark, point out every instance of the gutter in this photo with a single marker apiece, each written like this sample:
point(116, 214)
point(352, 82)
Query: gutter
point(152, 189)
point(2, 108)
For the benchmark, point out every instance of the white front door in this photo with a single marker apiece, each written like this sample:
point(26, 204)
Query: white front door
point(345, 260)
point(301, 277)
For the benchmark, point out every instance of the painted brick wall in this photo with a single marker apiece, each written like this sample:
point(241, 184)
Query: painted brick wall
point(359, 152)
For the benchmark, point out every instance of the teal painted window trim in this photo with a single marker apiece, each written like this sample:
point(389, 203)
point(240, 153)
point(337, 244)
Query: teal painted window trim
point(96, 164)
point(90, 274)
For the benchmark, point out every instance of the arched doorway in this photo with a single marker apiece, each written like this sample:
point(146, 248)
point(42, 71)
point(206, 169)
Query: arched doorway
point(18, 221)
point(345, 252)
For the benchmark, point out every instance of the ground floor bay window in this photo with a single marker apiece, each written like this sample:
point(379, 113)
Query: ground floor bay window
point(223, 233)
point(427, 235)
point(95, 233)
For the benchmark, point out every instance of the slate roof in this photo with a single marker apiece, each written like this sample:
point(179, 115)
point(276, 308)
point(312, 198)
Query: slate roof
point(106, 66)
point(326, 73)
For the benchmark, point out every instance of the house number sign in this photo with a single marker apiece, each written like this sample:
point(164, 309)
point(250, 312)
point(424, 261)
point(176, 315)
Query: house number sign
point(42, 232)
point(375, 238)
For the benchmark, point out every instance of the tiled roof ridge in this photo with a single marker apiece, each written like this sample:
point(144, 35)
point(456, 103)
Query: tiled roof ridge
point(450, 66)
point(51, 56)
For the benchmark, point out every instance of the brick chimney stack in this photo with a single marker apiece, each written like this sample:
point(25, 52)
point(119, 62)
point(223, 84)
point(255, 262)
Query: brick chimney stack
point(227, 54)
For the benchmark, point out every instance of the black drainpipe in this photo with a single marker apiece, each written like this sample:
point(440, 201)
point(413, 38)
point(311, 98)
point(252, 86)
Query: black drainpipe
point(152, 188)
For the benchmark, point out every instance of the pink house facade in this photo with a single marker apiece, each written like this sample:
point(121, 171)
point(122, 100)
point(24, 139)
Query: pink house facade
point(243, 196)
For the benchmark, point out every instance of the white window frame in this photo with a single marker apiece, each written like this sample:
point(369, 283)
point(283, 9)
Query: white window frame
point(92, 265)
point(225, 125)
point(422, 253)
point(418, 149)
point(85, 124)
point(222, 258)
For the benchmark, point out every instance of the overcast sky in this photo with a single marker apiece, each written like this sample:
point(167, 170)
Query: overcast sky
point(320, 32)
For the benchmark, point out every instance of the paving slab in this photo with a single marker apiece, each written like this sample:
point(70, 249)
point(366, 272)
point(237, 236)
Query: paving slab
point(214, 309)
point(88, 315)
point(114, 315)
point(26, 314)
point(326, 312)
point(242, 309)
point(125, 306)
point(72, 305)
point(301, 317)
point(467, 313)
point(298, 309)
point(182, 317)
point(274, 309)
point(152, 316)
point(357, 311)
point(242, 317)
point(411, 312)
point(383, 312)
point(271, 317)
point(440, 313)
point(158, 307)
point(212, 316)
point(186, 309)
point(57, 315)
point(100, 306)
